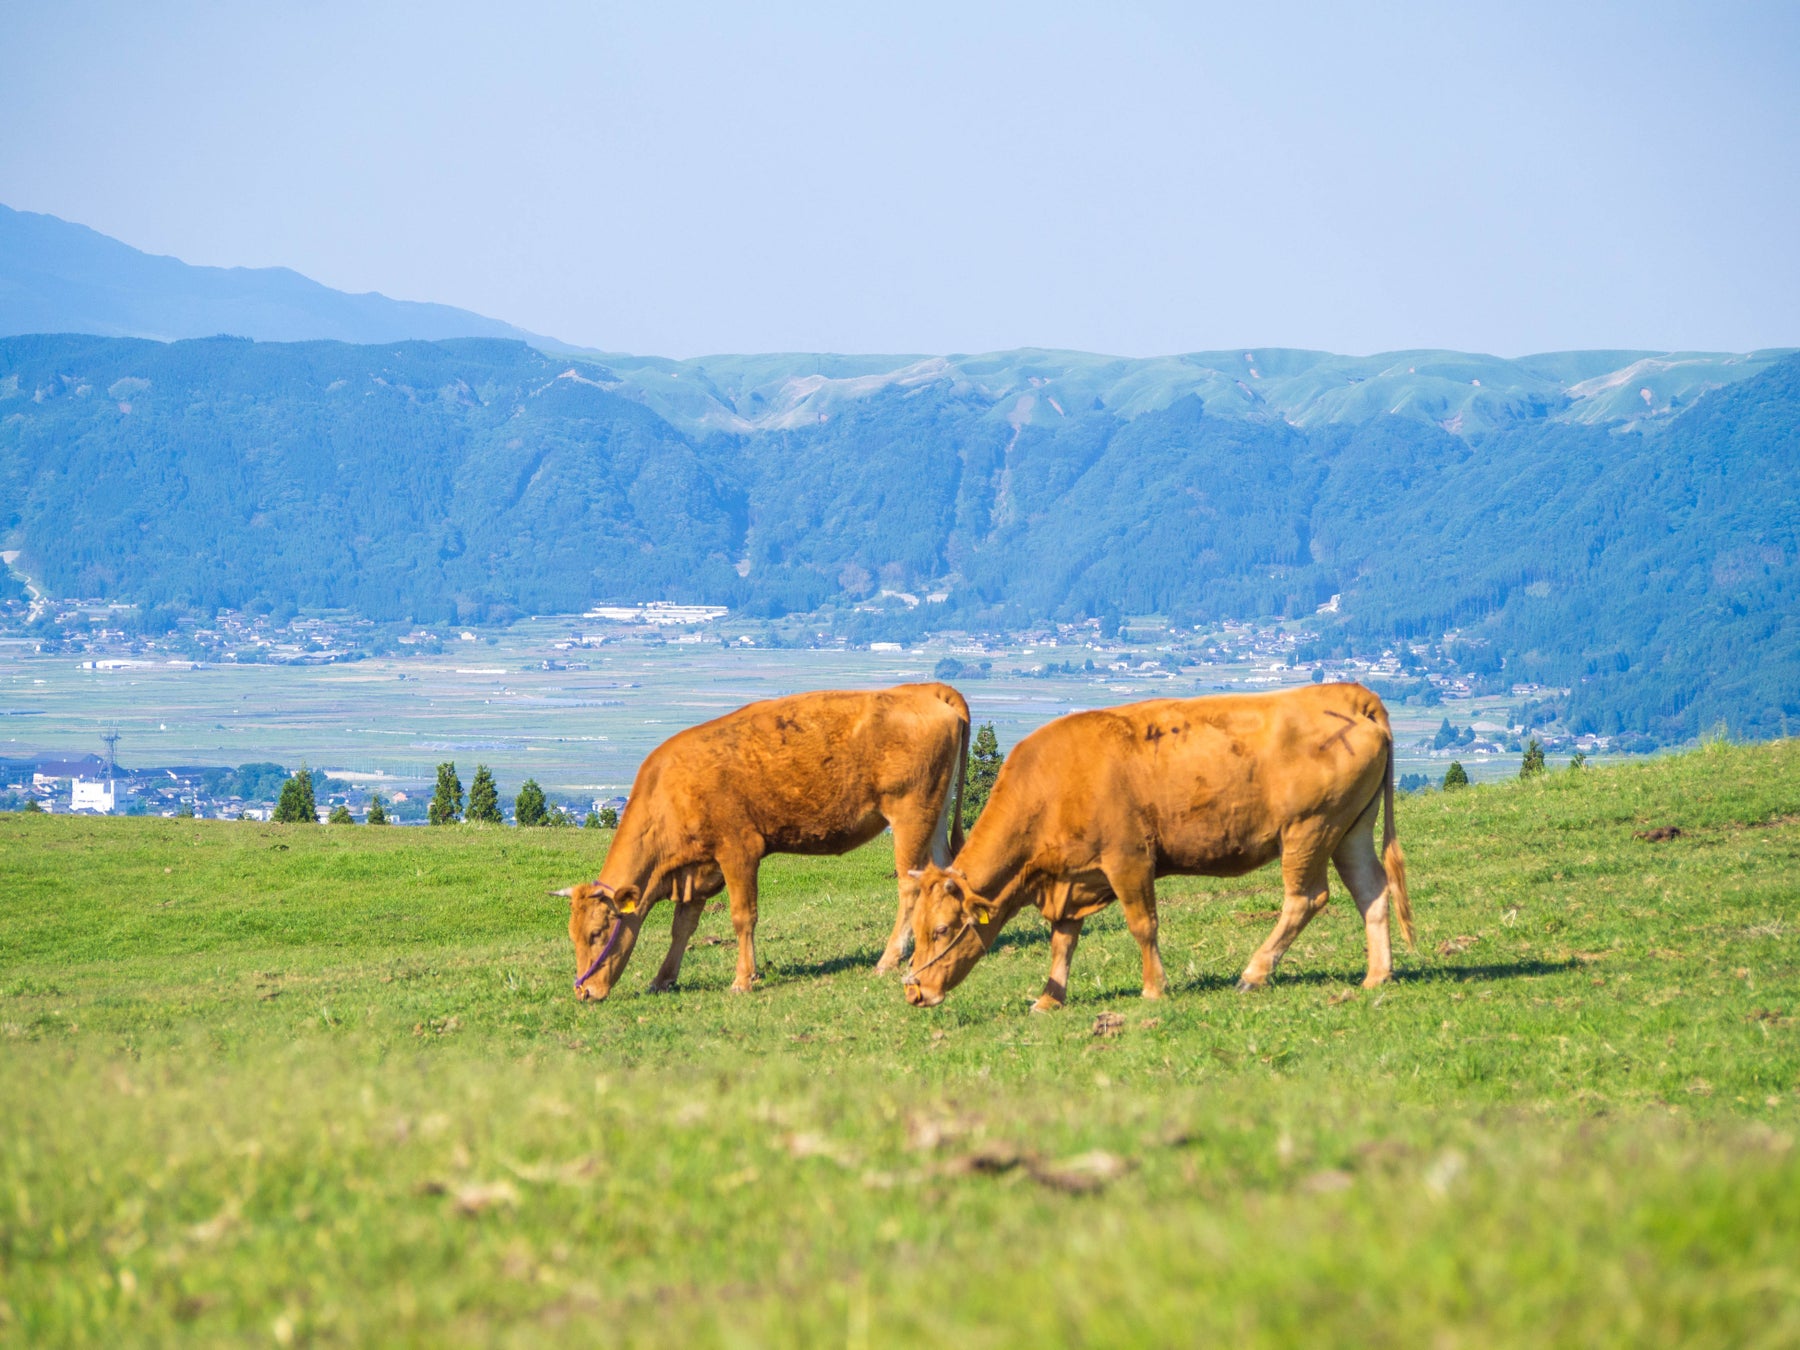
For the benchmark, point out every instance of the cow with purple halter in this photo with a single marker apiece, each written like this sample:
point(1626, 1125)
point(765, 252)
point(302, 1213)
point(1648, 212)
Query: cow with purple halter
point(818, 773)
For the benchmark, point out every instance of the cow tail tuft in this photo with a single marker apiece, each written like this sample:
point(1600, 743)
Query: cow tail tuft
point(1393, 861)
point(962, 771)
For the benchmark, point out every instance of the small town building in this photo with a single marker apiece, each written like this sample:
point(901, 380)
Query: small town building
point(87, 794)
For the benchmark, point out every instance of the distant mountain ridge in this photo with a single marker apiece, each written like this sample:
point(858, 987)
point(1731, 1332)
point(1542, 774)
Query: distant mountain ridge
point(1624, 524)
point(59, 277)
point(1654, 570)
point(1461, 392)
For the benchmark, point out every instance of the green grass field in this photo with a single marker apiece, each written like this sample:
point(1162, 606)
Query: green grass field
point(328, 1085)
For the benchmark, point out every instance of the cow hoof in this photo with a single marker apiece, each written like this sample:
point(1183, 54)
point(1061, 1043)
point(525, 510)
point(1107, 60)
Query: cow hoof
point(1373, 982)
point(1046, 1004)
point(660, 987)
point(887, 967)
point(1245, 987)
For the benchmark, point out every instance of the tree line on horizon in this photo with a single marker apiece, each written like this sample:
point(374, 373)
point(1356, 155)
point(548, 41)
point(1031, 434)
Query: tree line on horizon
point(298, 804)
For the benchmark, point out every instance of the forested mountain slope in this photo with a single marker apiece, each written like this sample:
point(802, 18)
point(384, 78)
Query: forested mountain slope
point(1650, 564)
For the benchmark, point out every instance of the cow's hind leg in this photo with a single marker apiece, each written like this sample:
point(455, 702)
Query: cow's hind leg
point(1064, 933)
point(1135, 886)
point(916, 842)
point(740, 882)
point(1360, 867)
point(1303, 864)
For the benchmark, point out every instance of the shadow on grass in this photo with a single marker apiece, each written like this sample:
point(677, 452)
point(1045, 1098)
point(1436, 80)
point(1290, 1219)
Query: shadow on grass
point(1513, 970)
point(866, 957)
point(795, 970)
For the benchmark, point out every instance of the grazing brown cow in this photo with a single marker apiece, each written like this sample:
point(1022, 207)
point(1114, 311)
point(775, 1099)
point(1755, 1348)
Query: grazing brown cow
point(809, 773)
point(1097, 805)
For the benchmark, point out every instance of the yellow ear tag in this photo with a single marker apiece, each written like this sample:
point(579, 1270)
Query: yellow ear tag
point(628, 907)
point(982, 918)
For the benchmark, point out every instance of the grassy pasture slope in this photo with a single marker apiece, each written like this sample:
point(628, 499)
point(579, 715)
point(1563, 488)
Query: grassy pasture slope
point(310, 1084)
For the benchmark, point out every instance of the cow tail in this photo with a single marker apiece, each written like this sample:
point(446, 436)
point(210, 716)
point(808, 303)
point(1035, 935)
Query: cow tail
point(1393, 861)
point(962, 772)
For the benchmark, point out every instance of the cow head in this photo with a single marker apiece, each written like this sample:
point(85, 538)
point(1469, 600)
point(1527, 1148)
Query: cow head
point(952, 929)
point(603, 925)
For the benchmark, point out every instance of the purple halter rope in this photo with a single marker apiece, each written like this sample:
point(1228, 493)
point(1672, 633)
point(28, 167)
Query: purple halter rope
point(606, 950)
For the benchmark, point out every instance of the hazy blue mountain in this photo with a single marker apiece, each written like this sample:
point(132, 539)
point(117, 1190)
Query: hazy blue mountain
point(57, 277)
point(1650, 564)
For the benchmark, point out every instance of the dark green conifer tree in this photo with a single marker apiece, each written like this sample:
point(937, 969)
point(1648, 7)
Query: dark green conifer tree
point(984, 767)
point(1455, 776)
point(484, 798)
point(447, 800)
point(609, 817)
point(297, 805)
point(528, 806)
point(377, 813)
point(1533, 763)
point(340, 815)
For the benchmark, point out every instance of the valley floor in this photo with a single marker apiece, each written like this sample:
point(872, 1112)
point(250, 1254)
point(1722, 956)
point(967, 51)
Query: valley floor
point(328, 1085)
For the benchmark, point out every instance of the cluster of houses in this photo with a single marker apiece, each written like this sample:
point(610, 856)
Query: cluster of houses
point(93, 785)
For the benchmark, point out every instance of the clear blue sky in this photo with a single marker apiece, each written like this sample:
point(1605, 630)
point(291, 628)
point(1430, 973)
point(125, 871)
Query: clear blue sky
point(1134, 179)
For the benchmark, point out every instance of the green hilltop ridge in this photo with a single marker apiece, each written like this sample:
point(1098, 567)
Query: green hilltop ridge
point(1626, 527)
point(1461, 392)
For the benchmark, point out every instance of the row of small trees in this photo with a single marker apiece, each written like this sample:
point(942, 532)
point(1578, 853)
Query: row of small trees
point(1529, 767)
point(530, 807)
point(299, 806)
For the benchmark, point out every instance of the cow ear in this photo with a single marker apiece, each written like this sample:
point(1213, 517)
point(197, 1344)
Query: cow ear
point(980, 910)
point(625, 901)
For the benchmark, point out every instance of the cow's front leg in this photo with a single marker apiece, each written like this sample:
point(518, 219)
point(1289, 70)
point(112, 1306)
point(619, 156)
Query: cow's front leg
point(687, 919)
point(1064, 933)
point(740, 882)
point(1137, 897)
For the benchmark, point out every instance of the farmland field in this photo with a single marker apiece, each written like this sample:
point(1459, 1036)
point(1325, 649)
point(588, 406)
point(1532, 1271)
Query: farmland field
point(326, 1085)
point(389, 721)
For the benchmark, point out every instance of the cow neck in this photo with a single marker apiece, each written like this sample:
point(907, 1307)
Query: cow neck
point(631, 861)
point(996, 863)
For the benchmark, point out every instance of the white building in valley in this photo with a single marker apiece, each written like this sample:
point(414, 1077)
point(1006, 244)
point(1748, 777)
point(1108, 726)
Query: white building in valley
point(88, 794)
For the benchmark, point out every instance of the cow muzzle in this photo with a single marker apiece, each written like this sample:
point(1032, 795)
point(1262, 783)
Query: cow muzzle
point(606, 949)
point(917, 997)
